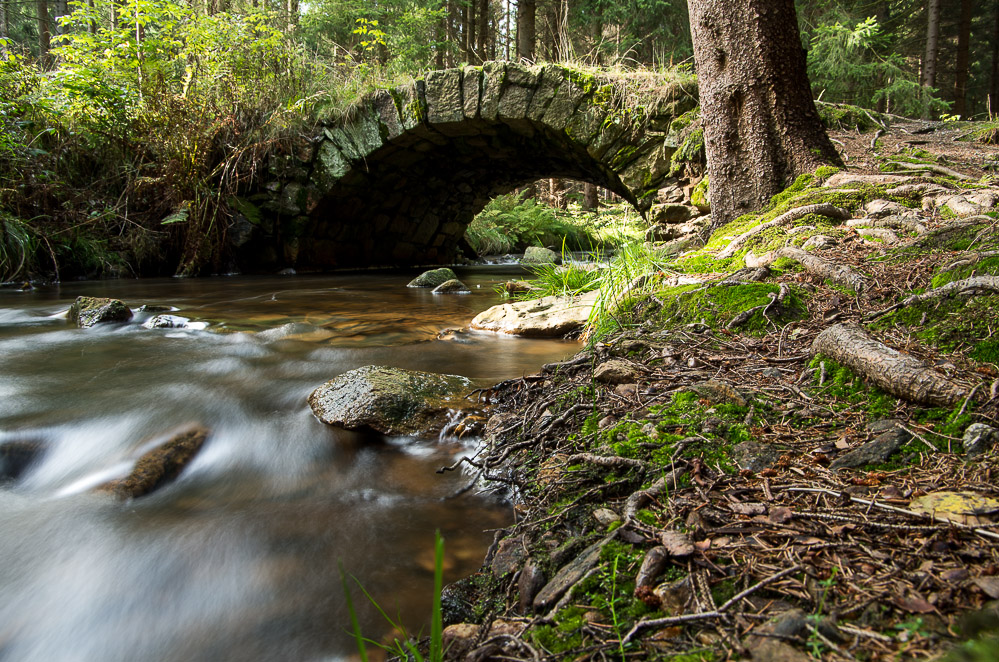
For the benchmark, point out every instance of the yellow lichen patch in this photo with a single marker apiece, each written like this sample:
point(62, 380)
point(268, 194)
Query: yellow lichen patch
point(961, 507)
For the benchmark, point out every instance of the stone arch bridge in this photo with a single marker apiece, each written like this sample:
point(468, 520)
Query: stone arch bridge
point(399, 178)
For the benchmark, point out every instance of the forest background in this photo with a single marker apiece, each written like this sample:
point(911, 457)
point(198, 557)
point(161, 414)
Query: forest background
point(128, 126)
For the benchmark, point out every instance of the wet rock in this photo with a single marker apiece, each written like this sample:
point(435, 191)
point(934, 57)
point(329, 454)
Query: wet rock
point(433, 278)
point(879, 450)
point(567, 576)
point(389, 400)
point(547, 317)
point(159, 466)
point(499, 421)
point(540, 255)
point(615, 371)
point(530, 582)
point(510, 553)
point(452, 286)
point(517, 286)
point(172, 322)
point(17, 456)
point(754, 456)
point(459, 639)
point(458, 601)
point(147, 308)
point(88, 311)
point(979, 438)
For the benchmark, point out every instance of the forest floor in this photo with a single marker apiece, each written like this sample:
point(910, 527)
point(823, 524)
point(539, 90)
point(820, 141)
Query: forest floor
point(776, 463)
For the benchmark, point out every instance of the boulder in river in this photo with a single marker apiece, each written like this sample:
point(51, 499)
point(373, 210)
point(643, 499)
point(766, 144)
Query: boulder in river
point(453, 286)
point(88, 311)
point(392, 401)
point(547, 317)
point(540, 255)
point(433, 278)
point(159, 466)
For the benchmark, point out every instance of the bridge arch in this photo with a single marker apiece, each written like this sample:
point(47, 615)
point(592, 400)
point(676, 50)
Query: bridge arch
point(397, 180)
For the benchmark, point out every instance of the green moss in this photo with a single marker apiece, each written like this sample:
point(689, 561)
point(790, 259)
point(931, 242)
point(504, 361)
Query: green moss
point(843, 385)
point(986, 266)
point(716, 306)
point(706, 655)
point(825, 172)
point(842, 116)
point(699, 197)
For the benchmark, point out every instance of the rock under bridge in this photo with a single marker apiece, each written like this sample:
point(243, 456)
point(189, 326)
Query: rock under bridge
point(399, 178)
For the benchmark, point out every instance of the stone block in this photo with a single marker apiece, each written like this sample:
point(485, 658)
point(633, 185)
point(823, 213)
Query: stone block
point(388, 114)
point(471, 91)
point(563, 104)
point(549, 78)
point(584, 124)
point(443, 95)
point(494, 78)
point(514, 103)
point(411, 103)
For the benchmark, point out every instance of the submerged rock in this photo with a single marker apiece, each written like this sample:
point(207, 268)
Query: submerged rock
point(88, 311)
point(540, 255)
point(389, 400)
point(17, 456)
point(547, 317)
point(433, 278)
point(159, 466)
point(453, 286)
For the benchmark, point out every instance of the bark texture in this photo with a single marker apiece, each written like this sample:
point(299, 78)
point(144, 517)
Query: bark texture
point(526, 30)
point(840, 274)
point(961, 66)
point(900, 374)
point(761, 128)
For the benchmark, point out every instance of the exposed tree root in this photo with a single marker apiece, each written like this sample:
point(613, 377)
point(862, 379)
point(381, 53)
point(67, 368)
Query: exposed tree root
point(822, 209)
point(969, 260)
point(889, 223)
point(884, 235)
point(817, 266)
point(974, 285)
point(896, 373)
point(931, 167)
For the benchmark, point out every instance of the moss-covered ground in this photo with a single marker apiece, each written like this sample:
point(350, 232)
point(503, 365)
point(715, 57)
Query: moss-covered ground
point(707, 468)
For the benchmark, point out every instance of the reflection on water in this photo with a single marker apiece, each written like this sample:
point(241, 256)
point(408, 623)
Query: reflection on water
point(237, 559)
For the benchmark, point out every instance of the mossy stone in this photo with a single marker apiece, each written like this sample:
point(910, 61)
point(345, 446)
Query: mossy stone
point(540, 255)
point(88, 311)
point(433, 278)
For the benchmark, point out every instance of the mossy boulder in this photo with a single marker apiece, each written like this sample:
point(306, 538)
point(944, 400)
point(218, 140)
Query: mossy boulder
point(540, 255)
point(433, 278)
point(392, 401)
point(88, 311)
point(159, 466)
point(453, 286)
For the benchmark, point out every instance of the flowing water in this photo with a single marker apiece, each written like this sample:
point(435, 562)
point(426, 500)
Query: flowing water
point(237, 559)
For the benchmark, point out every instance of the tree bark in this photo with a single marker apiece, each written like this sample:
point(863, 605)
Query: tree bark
point(994, 82)
point(4, 25)
point(761, 128)
point(961, 66)
point(929, 79)
point(591, 199)
point(526, 30)
point(44, 36)
point(900, 374)
point(483, 31)
point(469, 31)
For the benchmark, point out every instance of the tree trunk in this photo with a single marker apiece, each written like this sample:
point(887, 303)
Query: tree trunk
point(440, 36)
point(591, 199)
point(483, 31)
point(4, 25)
point(930, 56)
point(994, 83)
point(961, 67)
point(470, 31)
point(526, 30)
point(61, 8)
point(453, 12)
point(44, 36)
point(761, 129)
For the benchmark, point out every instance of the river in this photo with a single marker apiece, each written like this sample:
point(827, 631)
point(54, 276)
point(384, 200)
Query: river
point(237, 559)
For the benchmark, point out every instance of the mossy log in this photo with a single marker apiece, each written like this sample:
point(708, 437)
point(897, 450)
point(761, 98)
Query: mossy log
point(900, 374)
point(840, 274)
point(822, 209)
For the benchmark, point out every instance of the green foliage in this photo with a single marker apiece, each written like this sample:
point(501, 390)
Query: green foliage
point(856, 65)
point(516, 221)
point(565, 279)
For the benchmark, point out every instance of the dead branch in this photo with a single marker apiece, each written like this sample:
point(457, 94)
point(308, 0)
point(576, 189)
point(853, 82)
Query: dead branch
point(899, 374)
point(822, 209)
